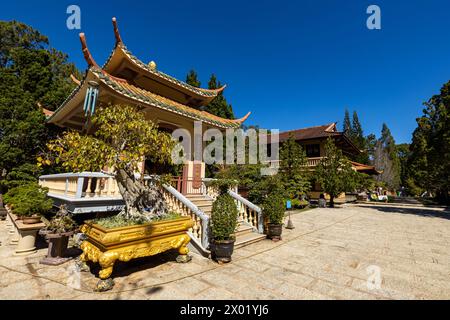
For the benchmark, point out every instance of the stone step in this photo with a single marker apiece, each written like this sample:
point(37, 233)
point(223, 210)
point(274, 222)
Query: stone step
point(202, 203)
point(249, 238)
point(243, 229)
point(196, 196)
point(206, 210)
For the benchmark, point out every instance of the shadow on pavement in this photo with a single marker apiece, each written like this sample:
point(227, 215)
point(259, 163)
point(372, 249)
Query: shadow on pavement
point(425, 212)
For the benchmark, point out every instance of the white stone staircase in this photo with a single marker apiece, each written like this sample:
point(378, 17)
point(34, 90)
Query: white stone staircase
point(245, 233)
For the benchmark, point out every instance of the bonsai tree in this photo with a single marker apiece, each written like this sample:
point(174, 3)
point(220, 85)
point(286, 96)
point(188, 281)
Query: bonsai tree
point(28, 200)
point(334, 172)
point(62, 222)
point(274, 208)
point(122, 139)
point(224, 213)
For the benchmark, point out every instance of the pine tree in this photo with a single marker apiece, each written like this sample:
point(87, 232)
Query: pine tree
point(353, 130)
point(192, 79)
point(429, 161)
point(359, 140)
point(292, 168)
point(219, 106)
point(347, 126)
point(334, 172)
point(403, 155)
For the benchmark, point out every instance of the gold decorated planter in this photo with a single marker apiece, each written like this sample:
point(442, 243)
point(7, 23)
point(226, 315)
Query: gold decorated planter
point(106, 246)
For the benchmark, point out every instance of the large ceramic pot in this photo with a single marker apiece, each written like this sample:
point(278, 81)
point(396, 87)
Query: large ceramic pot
point(222, 250)
point(31, 220)
point(106, 246)
point(274, 231)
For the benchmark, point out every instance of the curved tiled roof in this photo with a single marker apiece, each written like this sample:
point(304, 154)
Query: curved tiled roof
point(140, 95)
point(207, 93)
point(310, 133)
point(124, 88)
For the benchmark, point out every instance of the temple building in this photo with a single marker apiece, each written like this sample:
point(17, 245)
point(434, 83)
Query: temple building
point(171, 104)
point(313, 140)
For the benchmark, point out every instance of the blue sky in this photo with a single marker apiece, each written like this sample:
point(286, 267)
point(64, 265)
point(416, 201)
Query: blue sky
point(292, 63)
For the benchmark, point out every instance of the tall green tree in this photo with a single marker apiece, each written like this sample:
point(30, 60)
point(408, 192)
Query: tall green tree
point(293, 168)
point(359, 140)
point(353, 130)
point(386, 159)
point(347, 126)
point(371, 141)
point(429, 162)
point(192, 79)
point(334, 172)
point(31, 73)
point(403, 156)
point(219, 106)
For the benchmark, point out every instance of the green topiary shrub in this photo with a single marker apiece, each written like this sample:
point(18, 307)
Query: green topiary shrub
point(274, 207)
point(28, 200)
point(224, 215)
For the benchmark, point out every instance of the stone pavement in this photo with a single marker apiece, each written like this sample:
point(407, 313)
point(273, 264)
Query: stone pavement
point(354, 252)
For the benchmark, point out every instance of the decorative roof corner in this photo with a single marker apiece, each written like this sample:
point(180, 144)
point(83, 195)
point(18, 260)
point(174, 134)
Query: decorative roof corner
point(87, 54)
point(332, 127)
point(47, 113)
point(75, 80)
point(241, 120)
point(116, 31)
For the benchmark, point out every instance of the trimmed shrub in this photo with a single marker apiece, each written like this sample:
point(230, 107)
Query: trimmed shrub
point(28, 199)
point(223, 217)
point(274, 208)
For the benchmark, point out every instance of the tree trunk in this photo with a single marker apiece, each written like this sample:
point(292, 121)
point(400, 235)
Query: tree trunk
point(141, 202)
point(331, 201)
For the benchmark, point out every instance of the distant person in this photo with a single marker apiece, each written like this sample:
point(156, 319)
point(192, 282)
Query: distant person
point(322, 201)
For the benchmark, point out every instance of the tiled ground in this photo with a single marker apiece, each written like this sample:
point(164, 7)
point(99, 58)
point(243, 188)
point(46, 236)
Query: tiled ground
point(330, 254)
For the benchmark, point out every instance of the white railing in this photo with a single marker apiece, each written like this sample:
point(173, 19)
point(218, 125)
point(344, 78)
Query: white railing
point(179, 203)
point(209, 190)
point(311, 162)
point(81, 185)
point(249, 212)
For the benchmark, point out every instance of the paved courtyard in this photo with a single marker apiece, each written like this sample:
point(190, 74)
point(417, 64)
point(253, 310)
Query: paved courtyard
point(354, 252)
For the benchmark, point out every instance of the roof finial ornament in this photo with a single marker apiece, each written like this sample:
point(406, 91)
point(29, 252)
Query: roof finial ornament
point(116, 31)
point(87, 55)
point(152, 65)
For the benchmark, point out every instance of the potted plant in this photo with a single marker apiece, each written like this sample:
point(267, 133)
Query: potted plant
point(223, 223)
point(274, 208)
point(29, 202)
point(145, 226)
point(2, 209)
point(57, 233)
